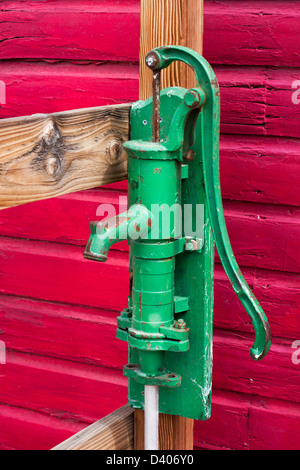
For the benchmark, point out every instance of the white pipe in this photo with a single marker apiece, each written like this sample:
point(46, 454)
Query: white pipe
point(151, 417)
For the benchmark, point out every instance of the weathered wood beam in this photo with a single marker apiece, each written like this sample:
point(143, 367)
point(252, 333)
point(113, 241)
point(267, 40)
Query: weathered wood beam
point(114, 432)
point(47, 155)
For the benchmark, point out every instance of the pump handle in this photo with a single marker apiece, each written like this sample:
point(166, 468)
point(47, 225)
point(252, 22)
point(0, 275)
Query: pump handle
point(159, 59)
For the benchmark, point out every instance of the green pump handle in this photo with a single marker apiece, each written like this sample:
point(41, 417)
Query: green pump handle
point(159, 59)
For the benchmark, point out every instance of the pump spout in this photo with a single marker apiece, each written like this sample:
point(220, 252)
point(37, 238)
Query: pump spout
point(133, 224)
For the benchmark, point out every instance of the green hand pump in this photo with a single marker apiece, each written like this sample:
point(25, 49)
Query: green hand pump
point(175, 219)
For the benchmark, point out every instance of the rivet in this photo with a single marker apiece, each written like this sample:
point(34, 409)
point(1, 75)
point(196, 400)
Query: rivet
point(190, 156)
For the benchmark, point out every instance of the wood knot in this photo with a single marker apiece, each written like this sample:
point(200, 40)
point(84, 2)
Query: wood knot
point(52, 165)
point(114, 151)
point(50, 151)
point(51, 134)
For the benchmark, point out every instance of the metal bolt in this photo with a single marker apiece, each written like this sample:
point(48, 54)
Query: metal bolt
point(190, 156)
point(180, 324)
point(193, 244)
point(149, 61)
point(192, 99)
point(152, 60)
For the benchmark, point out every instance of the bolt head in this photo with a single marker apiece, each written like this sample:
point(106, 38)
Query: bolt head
point(193, 244)
point(180, 324)
point(192, 99)
point(190, 156)
point(152, 61)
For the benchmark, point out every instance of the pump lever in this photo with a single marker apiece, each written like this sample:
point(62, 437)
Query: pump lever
point(157, 60)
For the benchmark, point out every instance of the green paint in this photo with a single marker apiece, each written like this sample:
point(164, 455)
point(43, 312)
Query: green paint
point(168, 322)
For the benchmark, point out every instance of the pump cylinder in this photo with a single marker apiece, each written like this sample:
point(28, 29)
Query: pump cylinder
point(153, 294)
point(156, 184)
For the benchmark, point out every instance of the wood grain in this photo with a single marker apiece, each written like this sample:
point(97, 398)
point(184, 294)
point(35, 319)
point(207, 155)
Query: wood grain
point(236, 32)
point(175, 432)
point(254, 100)
point(238, 422)
point(70, 30)
point(169, 22)
point(53, 271)
point(39, 327)
point(243, 422)
point(43, 156)
point(24, 429)
point(64, 389)
point(252, 33)
point(45, 87)
point(85, 392)
point(114, 432)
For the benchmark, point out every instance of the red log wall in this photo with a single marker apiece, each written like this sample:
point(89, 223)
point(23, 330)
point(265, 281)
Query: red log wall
point(58, 311)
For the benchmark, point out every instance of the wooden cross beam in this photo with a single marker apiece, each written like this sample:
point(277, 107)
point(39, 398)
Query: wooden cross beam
point(114, 432)
point(48, 155)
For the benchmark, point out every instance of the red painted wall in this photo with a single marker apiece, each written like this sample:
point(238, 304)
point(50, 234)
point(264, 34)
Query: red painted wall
point(58, 311)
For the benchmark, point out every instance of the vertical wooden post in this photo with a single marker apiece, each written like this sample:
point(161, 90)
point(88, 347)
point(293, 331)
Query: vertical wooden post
point(164, 23)
point(175, 432)
point(169, 22)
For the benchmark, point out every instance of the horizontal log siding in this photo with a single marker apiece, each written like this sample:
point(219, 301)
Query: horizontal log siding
point(58, 311)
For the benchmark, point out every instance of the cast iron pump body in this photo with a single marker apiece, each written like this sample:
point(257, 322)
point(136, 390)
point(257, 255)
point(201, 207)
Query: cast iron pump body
point(173, 169)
